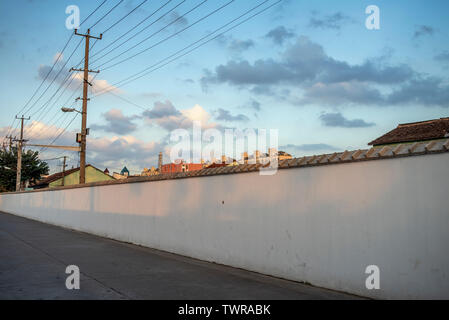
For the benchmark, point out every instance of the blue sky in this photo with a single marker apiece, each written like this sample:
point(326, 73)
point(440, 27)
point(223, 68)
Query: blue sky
point(308, 68)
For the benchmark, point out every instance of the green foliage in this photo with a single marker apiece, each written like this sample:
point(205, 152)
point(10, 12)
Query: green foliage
point(32, 168)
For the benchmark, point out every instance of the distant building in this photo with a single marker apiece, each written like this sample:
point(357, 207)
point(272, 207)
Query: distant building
point(282, 155)
point(125, 171)
point(106, 171)
point(415, 132)
point(181, 166)
point(262, 157)
point(217, 165)
point(124, 174)
point(71, 177)
point(149, 172)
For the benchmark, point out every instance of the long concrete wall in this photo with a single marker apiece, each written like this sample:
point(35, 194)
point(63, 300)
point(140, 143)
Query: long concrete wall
point(322, 225)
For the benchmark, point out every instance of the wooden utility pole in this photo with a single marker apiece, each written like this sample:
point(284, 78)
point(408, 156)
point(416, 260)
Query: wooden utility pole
point(19, 154)
point(63, 170)
point(84, 112)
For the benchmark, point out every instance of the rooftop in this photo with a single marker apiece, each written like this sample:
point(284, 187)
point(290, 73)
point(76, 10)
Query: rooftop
point(51, 178)
point(415, 131)
point(375, 153)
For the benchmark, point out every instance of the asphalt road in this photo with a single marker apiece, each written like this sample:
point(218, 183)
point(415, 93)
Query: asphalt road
point(34, 257)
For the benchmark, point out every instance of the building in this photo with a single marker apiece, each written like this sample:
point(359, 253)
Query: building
point(262, 157)
point(282, 155)
point(71, 177)
point(149, 172)
point(124, 174)
point(181, 166)
point(415, 132)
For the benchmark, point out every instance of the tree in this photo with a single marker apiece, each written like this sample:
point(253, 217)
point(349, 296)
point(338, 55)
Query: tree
point(32, 168)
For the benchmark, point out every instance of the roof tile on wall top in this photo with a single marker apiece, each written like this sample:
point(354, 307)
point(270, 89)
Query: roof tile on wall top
point(375, 153)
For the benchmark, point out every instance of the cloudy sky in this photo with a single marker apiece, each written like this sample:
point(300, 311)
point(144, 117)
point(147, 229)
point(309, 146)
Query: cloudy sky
point(310, 69)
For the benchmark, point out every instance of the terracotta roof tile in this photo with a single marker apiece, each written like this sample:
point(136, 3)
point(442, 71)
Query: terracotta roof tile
point(375, 153)
point(416, 131)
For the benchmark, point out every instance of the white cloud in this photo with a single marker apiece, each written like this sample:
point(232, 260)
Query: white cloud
point(168, 117)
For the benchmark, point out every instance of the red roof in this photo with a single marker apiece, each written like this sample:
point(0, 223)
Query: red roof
point(216, 165)
point(415, 131)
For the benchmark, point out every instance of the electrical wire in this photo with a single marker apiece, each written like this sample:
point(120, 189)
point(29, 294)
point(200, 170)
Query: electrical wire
point(133, 28)
point(51, 69)
point(93, 12)
point(137, 33)
point(67, 77)
point(169, 37)
point(105, 15)
point(153, 34)
point(155, 66)
point(126, 15)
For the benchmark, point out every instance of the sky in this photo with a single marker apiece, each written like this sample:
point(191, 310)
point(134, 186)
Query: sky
point(310, 69)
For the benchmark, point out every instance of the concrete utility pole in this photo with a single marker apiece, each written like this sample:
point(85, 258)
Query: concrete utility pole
point(84, 130)
point(19, 154)
point(63, 170)
point(11, 138)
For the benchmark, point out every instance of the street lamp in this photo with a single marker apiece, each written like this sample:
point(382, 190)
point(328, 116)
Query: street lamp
point(81, 139)
point(64, 109)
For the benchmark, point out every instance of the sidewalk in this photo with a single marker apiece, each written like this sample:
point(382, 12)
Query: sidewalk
point(34, 255)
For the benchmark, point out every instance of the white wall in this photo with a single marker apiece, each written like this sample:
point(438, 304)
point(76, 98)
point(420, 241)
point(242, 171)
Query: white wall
point(321, 225)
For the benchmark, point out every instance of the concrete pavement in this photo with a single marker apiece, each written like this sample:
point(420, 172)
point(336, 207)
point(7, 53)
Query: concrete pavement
point(34, 256)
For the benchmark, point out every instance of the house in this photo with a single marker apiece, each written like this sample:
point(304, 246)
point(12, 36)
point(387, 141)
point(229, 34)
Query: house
point(149, 172)
point(71, 177)
point(125, 171)
point(181, 166)
point(124, 174)
point(415, 132)
point(262, 157)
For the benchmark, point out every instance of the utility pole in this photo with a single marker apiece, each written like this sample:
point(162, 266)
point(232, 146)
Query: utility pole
point(19, 154)
point(84, 130)
point(10, 137)
point(10, 142)
point(63, 170)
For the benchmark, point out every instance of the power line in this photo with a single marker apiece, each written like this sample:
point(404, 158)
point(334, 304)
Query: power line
point(67, 77)
point(48, 73)
point(52, 159)
point(51, 69)
point(92, 12)
point(113, 25)
point(126, 100)
point(137, 33)
point(64, 104)
point(105, 15)
point(58, 130)
point(133, 28)
point(60, 55)
point(51, 83)
point(46, 104)
point(143, 72)
point(171, 36)
point(153, 34)
point(63, 131)
point(42, 82)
